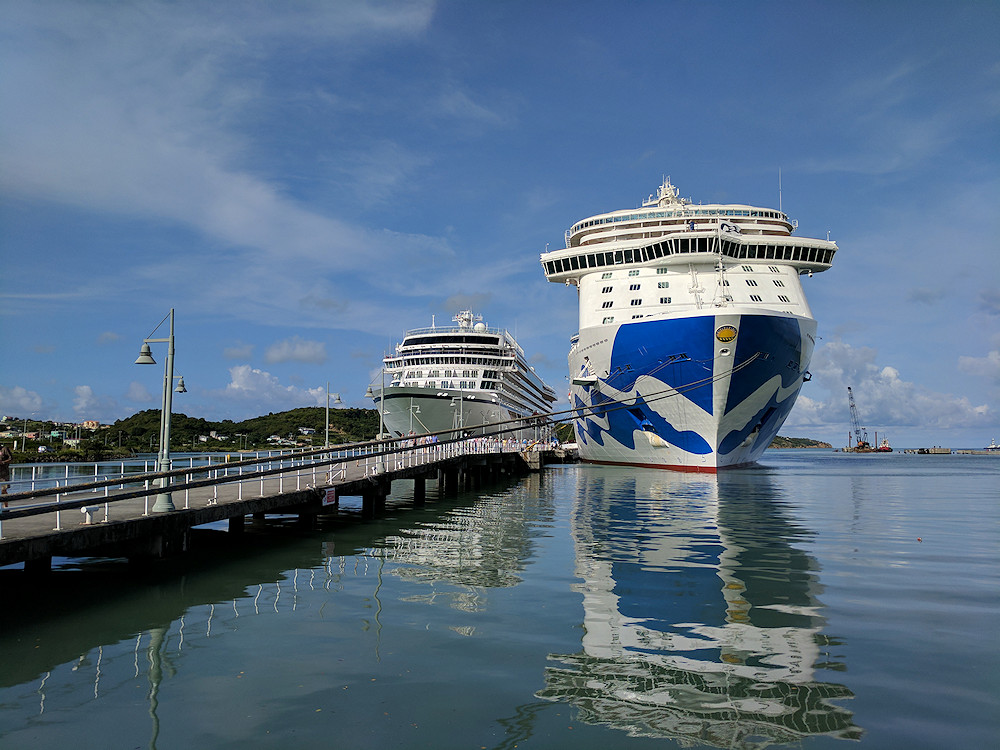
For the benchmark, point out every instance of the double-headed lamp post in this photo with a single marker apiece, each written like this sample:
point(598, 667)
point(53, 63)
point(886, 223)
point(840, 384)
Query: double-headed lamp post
point(164, 501)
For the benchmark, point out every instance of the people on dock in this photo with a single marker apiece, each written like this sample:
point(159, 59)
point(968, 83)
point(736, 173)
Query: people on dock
point(5, 458)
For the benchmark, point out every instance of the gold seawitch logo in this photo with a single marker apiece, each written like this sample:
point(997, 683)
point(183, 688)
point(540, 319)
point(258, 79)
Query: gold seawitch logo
point(725, 334)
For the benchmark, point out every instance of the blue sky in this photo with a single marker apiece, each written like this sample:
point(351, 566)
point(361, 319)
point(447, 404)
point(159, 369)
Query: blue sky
point(302, 181)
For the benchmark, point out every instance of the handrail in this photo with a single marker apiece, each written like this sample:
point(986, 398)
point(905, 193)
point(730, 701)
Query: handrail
point(429, 453)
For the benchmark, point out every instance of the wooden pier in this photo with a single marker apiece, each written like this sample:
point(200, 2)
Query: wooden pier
point(110, 519)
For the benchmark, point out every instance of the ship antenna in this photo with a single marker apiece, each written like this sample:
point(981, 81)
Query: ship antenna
point(779, 188)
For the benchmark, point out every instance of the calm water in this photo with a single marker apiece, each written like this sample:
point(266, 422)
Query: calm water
point(817, 600)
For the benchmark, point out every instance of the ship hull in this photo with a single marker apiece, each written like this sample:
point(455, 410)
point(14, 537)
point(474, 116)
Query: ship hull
point(418, 411)
point(700, 392)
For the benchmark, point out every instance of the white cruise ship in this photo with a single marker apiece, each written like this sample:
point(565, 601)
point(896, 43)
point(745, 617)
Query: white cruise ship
point(695, 335)
point(463, 378)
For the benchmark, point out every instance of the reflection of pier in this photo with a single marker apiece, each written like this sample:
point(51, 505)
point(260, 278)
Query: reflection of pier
point(701, 619)
point(117, 522)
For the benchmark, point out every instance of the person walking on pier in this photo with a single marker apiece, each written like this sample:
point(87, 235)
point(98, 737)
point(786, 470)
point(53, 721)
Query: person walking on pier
point(5, 458)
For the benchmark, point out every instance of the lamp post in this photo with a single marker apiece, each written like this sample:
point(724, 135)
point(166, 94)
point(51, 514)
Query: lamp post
point(164, 501)
point(336, 400)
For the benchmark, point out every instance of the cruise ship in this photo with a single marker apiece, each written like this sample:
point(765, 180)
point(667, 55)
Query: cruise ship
point(694, 331)
point(465, 378)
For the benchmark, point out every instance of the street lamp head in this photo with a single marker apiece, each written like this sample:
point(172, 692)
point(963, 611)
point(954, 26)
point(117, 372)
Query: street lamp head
point(369, 393)
point(145, 356)
point(336, 398)
point(180, 386)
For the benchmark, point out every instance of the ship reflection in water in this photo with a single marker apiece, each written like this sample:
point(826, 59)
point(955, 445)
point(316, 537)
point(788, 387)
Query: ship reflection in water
point(701, 617)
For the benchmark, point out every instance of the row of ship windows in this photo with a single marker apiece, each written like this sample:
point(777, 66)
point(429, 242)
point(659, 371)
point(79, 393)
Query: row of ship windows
point(667, 300)
point(465, 385)
point(611, 318)
point(678, 214)
point(450, 374)
point(685, 245)
point(410, 361)
point(661, 270)
point(666, 285)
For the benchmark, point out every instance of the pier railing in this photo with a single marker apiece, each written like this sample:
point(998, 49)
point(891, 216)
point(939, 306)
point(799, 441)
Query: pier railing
point(258, 476)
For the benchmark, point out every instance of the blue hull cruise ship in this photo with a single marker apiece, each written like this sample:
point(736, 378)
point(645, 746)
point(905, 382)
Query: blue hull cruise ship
point(694, 336)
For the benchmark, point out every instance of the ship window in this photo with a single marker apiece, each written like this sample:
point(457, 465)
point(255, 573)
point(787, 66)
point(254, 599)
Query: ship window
point(609, 319)
point(634, 272)
point(636, 316)
point(725, 282)
point(783, 298)
point(748, 268)
point(778, 282)
point(774, 269)
point(618, 258)
point(633, 287)
point(591, 261)
point(606, 275)
point(755, 298)
point(663, 270)
point(636, 302)
point(606, 305)
point(663, 284)
point(628, 256)
point(751, 282)
point(664, 300)
point(606, 289)
point(575, 263)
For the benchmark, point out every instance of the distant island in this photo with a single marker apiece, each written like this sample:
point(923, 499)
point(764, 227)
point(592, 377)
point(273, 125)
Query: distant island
point(304, 427)
point(794, 442)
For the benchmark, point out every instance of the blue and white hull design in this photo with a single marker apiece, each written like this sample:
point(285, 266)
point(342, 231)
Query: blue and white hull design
point(694, 393)
point(695, 334)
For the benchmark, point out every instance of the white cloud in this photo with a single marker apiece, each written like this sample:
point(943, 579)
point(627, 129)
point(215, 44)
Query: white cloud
point(264, 392)
point(87, 404)
point(883, 398)
point(108, 337)
point(238, 351)
point(138, 393)
point(19, 401)
point(139, 109)
point(296, 349)
point(987, 367)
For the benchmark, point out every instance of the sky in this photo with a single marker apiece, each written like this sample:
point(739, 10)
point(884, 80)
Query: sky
point(303, 181)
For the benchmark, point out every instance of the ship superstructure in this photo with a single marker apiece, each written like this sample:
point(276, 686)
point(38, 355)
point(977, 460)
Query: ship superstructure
point(464, 378)
point(694, 331)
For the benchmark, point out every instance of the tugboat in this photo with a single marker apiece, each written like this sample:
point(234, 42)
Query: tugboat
point(884, 447)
